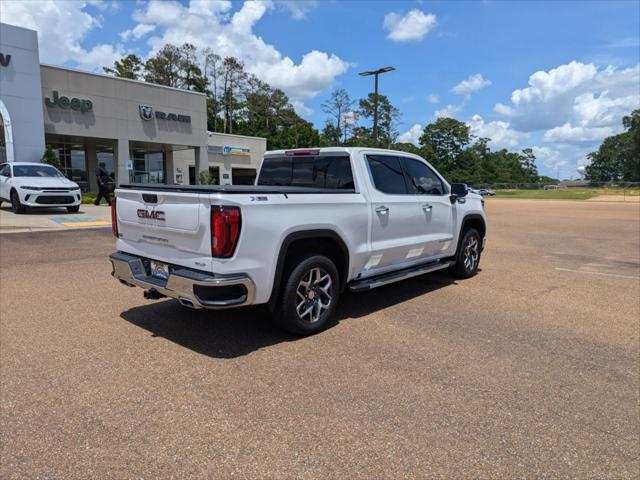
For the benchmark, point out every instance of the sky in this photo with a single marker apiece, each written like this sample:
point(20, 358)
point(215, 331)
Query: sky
point(554, 76)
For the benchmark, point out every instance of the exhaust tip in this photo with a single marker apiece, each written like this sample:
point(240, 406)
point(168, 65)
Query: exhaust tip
point(185, 302)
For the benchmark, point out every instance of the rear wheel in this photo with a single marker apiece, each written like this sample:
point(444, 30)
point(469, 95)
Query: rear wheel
point(468, 256)
point(309, 295)
point(73, 209)
point(16, 206)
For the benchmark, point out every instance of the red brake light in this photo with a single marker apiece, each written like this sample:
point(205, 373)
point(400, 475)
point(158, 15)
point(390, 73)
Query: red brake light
point(114, 218)
point(300, 152)
point(225, 230)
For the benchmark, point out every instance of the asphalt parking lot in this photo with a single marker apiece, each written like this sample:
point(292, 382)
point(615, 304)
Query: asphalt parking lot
point(529, 370)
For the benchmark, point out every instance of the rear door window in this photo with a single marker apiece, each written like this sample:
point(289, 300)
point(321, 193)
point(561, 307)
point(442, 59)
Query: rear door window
point(421, 179)
point(333, 172)
point(387, 175)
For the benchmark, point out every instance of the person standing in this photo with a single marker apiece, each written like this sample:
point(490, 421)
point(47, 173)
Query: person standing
point(102, 176)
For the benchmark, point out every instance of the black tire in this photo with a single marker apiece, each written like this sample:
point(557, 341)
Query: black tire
point(468, 254)
point(286, 314)
point(73, 209)
point(16, 206)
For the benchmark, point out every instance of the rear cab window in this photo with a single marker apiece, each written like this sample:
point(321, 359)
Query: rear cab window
point(324, 171)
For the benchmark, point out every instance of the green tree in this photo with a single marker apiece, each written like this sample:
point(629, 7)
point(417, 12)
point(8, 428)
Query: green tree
point(388, 116)
point(338, 106)
point(128, 67)
point(618, 158)
point(176, 67)
point(443, 142)
point(406, 147)
point(330, 135)
point(164, 67)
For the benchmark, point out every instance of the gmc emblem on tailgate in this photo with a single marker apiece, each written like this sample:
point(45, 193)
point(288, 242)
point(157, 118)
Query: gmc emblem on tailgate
point(153, 215)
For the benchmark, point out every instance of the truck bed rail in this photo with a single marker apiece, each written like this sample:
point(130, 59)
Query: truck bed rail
point(234, 189)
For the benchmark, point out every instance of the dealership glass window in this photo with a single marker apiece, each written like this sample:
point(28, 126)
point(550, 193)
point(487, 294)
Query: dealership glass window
point(214, 175)
point(104, 153)
point(73, 160)
point(243, 176)
point(148, 167)
point(3, 146)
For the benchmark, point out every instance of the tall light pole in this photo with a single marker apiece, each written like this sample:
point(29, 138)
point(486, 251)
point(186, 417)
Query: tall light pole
point(375, 96)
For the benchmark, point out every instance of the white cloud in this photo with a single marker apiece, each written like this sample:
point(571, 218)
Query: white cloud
point(577, 93)
point(413, 26)
point(500, 133)
point(433, 98)
point(550, 158)
point(298, 8)
point(471, 84)
point(597, 110)
point(569, 134)
point(62, 27)
point(137, 32)
point(301, 108)
point(449, 111)
point(212, 25)
point(412, 135)
point(502, 109)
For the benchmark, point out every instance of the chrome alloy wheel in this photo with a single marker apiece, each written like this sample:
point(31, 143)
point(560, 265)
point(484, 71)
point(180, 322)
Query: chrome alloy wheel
point(313, 295)
point(471, 253)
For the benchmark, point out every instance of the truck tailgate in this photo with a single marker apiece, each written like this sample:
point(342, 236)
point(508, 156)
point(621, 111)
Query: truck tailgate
point(168, 226)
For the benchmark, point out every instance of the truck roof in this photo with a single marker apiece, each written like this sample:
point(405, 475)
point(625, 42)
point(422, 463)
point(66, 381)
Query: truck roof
point(334, 150)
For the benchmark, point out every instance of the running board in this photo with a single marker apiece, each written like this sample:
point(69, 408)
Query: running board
point(396, 276)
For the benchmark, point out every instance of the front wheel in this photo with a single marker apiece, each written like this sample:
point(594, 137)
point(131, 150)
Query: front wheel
point(309, 295)
point(468, 255)
point(16, 206)
point(73, 209)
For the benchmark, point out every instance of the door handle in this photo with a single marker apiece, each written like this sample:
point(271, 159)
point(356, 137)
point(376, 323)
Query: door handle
point(427, 207)
point(382, 209)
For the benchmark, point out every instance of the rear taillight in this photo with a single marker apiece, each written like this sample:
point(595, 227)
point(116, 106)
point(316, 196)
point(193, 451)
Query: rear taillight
point(114, 218)
point(225, 230)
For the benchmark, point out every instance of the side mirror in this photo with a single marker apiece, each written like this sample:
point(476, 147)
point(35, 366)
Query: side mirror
point(458, 191)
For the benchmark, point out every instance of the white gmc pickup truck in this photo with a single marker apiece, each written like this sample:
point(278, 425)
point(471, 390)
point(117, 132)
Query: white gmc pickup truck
point(316, 222)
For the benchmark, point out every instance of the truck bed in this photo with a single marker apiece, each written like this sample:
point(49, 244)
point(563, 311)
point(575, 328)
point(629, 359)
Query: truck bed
point(234, 189)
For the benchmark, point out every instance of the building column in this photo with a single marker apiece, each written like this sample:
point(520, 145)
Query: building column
point(202, 160)
point(122, 157)
point(170, 173)
point(92, 163)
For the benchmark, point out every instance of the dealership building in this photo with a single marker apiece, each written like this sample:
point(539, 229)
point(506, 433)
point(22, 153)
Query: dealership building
point(144, 133)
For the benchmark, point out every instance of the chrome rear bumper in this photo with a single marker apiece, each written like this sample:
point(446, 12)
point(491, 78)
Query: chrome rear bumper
point(184, 284)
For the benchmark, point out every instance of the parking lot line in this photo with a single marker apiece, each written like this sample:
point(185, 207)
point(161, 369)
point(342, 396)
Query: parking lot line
point(598, 273)
point(97, 223)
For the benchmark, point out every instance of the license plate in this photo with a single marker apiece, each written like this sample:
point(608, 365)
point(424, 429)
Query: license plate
point(160, 270)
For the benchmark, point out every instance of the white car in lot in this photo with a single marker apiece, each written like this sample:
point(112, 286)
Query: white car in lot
point(30, 185)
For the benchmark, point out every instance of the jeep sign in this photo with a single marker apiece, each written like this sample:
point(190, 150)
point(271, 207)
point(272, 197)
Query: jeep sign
point(82, 105)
